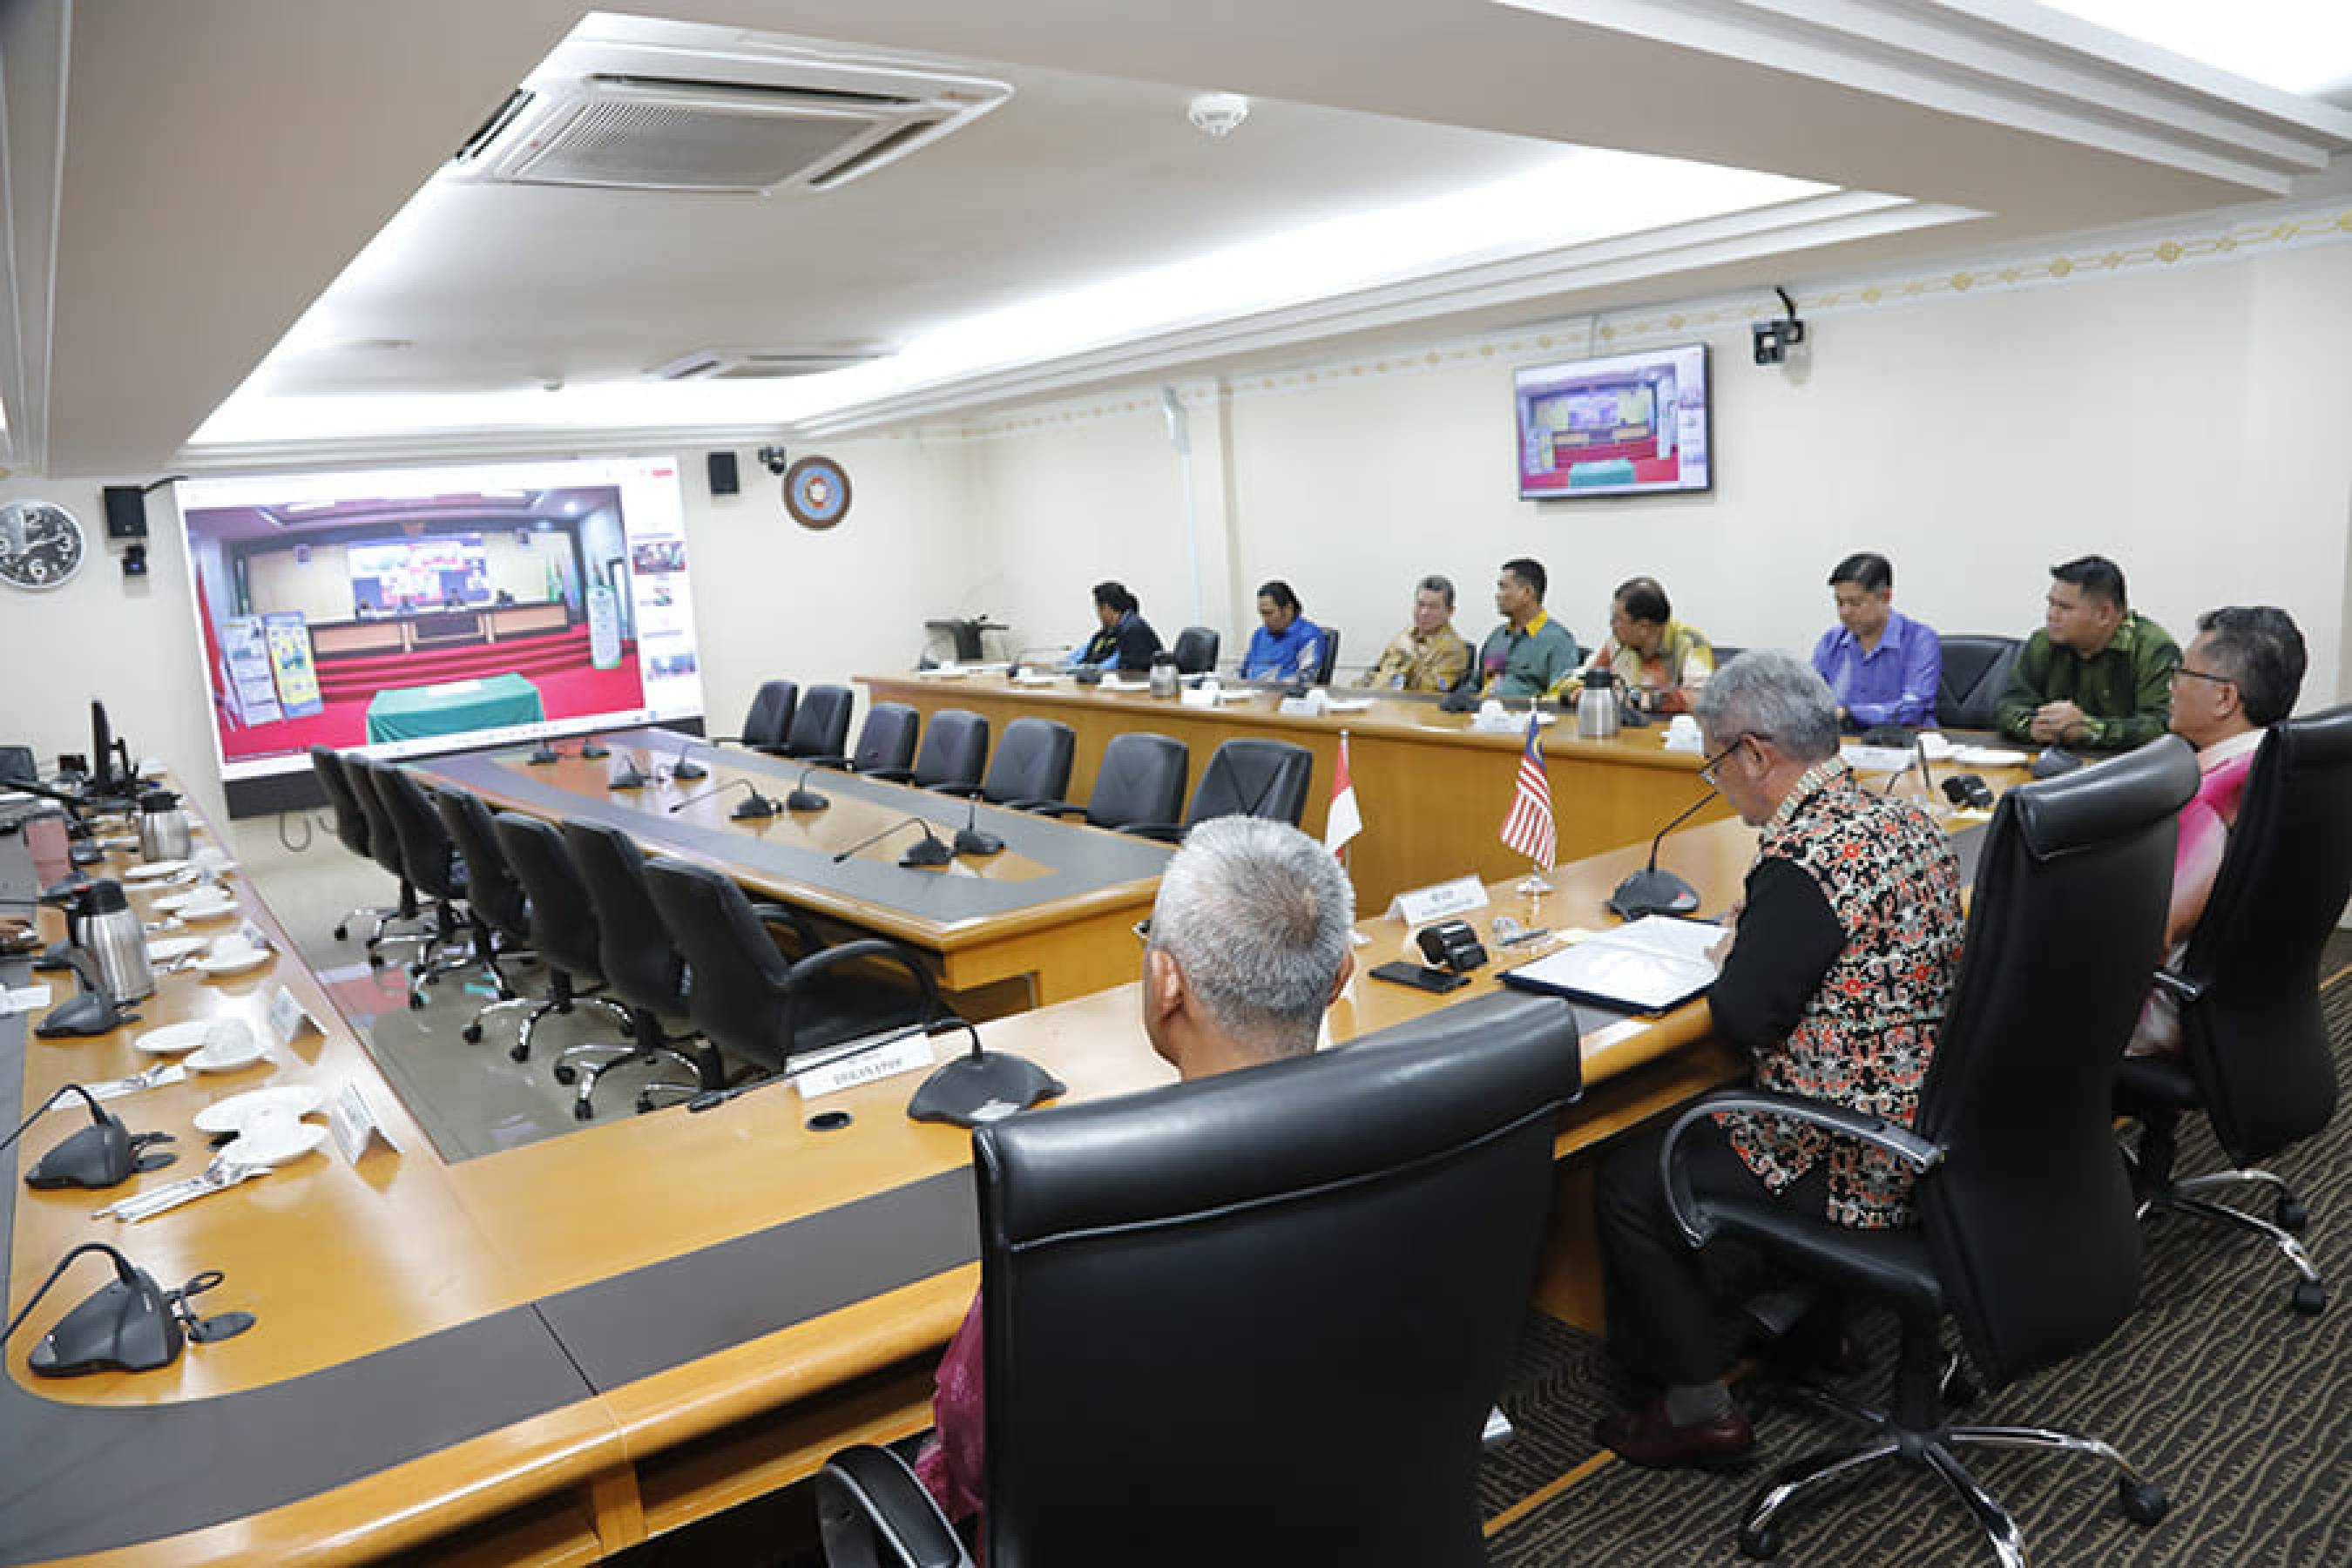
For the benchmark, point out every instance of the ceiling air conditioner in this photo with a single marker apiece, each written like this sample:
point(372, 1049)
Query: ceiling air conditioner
point(796, 124)
point(763, 364)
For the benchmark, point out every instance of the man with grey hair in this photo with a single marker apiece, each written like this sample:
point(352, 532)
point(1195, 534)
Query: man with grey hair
point(1429, 655)
point(1249, 946)
point(1835, 979)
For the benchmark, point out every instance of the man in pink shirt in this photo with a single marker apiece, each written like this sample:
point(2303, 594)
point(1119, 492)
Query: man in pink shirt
point(2240, 676)
point(1248, 947)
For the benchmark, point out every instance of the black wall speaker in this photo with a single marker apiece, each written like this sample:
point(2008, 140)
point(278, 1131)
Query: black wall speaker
point(126, 512)
point(723, 480)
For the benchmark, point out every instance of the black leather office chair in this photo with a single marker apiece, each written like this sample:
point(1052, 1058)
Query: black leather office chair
point(1196, 650)
point(351, 829)
point(762, 1008)
point(886, 742)
point(1330, 656)
point(430, 858)
point(1141, 779)
point(1347, 1239)
point(20, 762)
point(770, 717)
point(821, 725)
point(383, 848)
point(1975, 672)
point(2256, 1060)
point(2028, 1238)
point(955, 745)
point(495, 899)
point(562, 921)
point(1032, 763)
point(1244, 778)
point(642, 966)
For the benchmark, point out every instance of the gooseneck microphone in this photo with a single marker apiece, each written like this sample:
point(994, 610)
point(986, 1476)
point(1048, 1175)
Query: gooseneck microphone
point(983, 1086)
point(970, 840)
point(131, 1324)
point(543, 753)
point(932, 850)
point(630, 774)
point(683, 768)
point(804, 798)
point(104, 1154)
point(1651, 891)
point(592, 749)
point(753, 807)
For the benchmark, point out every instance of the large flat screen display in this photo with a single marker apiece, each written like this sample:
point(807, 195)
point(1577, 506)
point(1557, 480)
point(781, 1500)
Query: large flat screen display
point(411, 611)
point(1629, 425)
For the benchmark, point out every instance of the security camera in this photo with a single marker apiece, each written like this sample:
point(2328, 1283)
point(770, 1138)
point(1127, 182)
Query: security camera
point(1217, 114)
point(1775, 338)
point(775, 459)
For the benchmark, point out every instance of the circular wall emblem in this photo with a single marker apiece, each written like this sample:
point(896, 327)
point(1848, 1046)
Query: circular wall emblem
point(816, 492)
point(41, 545)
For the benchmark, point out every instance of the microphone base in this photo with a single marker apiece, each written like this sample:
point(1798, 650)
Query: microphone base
point(807, 800)
point(926, 852)
point(1652, 892)
point(971, 841)
point(685, 771)
point(544, 755)
point(87, 1014)
point(627, 778)
point(983, 1087)
point(592, 750)
point(757, 808)
point(98, 1156)
point(126, 1327)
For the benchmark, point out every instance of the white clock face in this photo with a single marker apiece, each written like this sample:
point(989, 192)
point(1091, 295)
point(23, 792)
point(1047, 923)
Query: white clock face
point(41, 545)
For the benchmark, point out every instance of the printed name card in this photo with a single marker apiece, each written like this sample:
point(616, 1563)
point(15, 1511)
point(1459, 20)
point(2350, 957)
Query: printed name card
point(287, 1018)
point(353, 1122)
point(913, 1054)
point(1438, 902)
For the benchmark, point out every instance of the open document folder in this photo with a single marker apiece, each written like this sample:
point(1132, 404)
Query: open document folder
point(1647, 966)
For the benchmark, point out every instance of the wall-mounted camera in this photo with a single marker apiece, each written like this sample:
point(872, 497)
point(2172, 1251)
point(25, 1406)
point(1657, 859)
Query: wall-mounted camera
point(776, 460)
point(1774, 339)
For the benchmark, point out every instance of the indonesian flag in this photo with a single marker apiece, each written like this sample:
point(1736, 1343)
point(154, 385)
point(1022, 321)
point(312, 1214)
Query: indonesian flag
point(1528, 827)
point(1343, 821)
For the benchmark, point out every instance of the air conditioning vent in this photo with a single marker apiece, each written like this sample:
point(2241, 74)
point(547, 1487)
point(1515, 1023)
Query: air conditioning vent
point(763, 364)
point(744, 127)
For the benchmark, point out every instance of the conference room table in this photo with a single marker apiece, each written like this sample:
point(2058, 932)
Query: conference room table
point(548, 1353)
point(1432, 788)
point(1049, 918)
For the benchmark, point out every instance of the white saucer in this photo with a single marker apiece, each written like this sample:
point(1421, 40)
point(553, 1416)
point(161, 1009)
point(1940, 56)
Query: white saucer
point(155, 869)
point(171, 948)
point(283, 1100)
point(171, 901)
point(237, 964)
point(197, 912)
point(237, 1054)
point(275, 1141)
point(173, 1038)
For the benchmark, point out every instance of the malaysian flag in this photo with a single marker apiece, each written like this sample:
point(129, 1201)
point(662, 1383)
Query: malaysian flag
point(1528, 828)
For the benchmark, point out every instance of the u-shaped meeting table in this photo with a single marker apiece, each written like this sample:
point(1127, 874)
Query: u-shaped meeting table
point(550, 1352)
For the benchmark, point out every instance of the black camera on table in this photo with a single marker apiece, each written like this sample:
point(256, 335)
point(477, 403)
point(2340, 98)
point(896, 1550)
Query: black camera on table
point(1452, 945)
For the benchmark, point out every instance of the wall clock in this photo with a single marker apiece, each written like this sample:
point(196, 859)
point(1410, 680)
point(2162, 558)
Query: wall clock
point(41, 545)
point(816, 492)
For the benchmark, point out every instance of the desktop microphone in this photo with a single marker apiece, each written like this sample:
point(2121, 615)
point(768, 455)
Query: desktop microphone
point(933, 850)
point(1919, 754)
point(683, 768)
point(545, 753)
point(628, 775)
point(131, 1324)
point(970, 840)
point(1651, 891)
point(592, 749)
point(103, 1154)
point(754, 806)
point(804, 798)
point(983, 1086)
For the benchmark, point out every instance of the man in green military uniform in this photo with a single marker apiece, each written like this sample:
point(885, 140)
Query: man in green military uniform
point(2099, 674)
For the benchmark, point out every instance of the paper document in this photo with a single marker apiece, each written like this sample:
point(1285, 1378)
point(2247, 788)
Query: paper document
point(1650, 965)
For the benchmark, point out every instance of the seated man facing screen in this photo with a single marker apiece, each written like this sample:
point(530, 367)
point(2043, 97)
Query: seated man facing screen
point(1659, 661)
point(1429, 655)
point(2241, 675)
point(1287, 646)
point(1248, 949)
point(1528, 653)
point(1883, 667)
point(1835, 980)
point(2098, 674)
point(1124, 640)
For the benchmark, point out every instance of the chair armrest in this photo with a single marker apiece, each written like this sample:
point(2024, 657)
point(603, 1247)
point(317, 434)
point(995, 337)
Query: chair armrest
point(817, 963)
point(1165, 832)
point(867, 1498)
point(1905, 1145)
point(2179, 986)
point(778, 915)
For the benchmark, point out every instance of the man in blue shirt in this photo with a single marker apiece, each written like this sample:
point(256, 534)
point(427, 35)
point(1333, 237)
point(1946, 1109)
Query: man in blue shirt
point(1883, 667)
point(1287, 646)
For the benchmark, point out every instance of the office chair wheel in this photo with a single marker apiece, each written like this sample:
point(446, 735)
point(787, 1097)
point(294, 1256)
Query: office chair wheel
point(375, 961)
point(583, 1111)
point(473, 1034)
point(1762, 1544)
point(645, 1103)
point(518, 1052)
point(2144, 1501)
point(2290, 1214)
point(416, 1002)
point(342, 934)
point(565, 1074)
point(2310, 1297)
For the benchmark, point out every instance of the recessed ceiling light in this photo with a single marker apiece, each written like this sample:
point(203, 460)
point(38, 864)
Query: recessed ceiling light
point(2296, 46)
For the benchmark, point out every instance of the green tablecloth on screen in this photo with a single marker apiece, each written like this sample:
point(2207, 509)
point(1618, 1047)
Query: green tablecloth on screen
point(450, 707)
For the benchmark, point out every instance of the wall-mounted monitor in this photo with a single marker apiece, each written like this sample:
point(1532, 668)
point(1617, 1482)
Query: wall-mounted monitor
point(1631, 423)
point(414, 611)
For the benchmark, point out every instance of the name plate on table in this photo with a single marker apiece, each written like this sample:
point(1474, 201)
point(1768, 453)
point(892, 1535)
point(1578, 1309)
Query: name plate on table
point(1422, 905)
point(353, 1122)
point(912, 1053)
point(287, 1018)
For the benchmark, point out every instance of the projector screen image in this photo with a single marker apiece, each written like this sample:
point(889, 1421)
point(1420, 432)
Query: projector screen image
point(1624, 425)
point(411, 611)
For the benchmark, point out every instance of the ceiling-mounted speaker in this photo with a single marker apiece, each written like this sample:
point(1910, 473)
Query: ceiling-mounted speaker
point(724, 481)
point(126, 512)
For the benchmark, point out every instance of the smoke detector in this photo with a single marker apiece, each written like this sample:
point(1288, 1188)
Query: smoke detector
point(1217, 114)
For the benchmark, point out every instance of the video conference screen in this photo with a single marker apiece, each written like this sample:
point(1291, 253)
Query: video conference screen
point(1628, 425)
point(413, 611)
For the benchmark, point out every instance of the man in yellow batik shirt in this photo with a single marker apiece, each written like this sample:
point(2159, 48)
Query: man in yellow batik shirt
point(1429, 655)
